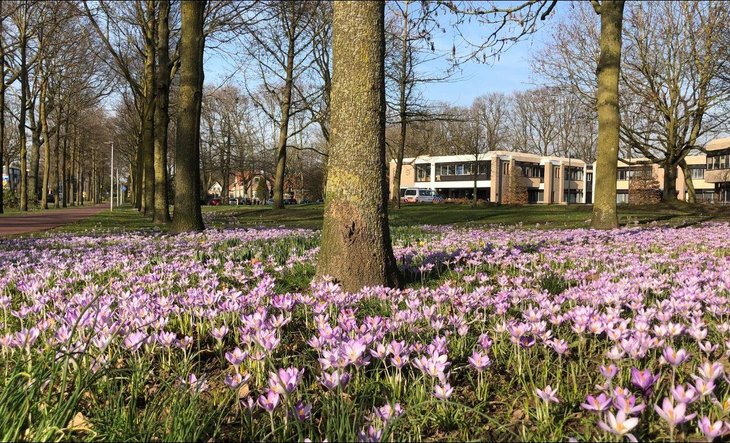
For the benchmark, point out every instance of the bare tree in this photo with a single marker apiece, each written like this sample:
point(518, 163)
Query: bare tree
point(281, 49)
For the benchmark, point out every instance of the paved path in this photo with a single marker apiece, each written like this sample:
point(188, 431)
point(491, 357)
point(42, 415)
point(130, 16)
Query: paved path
point(41, 221)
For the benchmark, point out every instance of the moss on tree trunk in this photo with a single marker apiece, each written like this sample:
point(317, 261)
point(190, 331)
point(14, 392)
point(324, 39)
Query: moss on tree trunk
point(356, 248)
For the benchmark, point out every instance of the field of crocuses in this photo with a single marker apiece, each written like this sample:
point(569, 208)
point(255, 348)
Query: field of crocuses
point(501, 334)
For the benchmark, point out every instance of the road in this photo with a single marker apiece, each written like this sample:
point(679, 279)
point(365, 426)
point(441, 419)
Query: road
point(42, 221)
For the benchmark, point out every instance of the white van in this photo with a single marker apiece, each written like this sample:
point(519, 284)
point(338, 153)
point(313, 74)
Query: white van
point(418, 195)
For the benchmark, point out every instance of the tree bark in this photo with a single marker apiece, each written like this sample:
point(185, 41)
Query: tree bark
point(669, 193)
point(59, 173)
point(187, 215)
point(21, 120)
point(46, 143)
point(609, 118)
point(35, 156)
point(64, 163)
point(356, 249)
point(402, 107)
point(162, 118)
point(148, 121)
point(284, 127)
point(688, 183)
point(2, 112)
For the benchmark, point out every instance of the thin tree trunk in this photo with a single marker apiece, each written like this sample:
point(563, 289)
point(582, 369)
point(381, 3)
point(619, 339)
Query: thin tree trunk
point(64, 162)
point(609, 118)
point(148, 125)
point(162, 206)
point(21, 121)
point(187, 215)
point(59, 172)
point(284, 127)
point(402, 106)
point(35, 156)
point(356, 248)
point(46, 144)
point(689, 184)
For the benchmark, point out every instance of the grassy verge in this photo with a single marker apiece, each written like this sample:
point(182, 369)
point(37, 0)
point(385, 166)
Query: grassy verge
point(310, 217)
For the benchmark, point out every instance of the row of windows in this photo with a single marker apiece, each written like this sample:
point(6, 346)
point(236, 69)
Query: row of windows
point(697, 173)
point(628, 173)
point(462, 168)
point(575, 174)
point(718, 162)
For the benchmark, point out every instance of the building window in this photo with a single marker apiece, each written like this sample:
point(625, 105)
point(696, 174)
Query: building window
point(423, 173)
point(556, 172)
point(505, 168)
point(697, 173)
point(622, 197)
point(589, 176)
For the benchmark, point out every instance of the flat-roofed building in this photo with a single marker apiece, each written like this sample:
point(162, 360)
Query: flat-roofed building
point(717, 172)
point(546, 179)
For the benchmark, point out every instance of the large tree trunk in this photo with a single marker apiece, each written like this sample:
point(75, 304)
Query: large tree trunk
point(609, 118)
point(148, 122)
point(46, 145)
point(669, 193)
point(284, 128)
point(356, 248)
point(21, 122)
point(162, 210)
point(139, 170)
point(187, 215)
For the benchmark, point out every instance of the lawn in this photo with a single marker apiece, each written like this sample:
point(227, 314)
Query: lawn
point(310, 216)
point(113, 330)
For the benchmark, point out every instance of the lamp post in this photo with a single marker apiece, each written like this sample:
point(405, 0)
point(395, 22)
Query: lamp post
point(111, 181)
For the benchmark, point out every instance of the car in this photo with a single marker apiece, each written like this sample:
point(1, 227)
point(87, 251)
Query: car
point(290, 201)
point(438, 198)
point(418, 195)
point(233, 201)
point(215, 201)
point(270, 201)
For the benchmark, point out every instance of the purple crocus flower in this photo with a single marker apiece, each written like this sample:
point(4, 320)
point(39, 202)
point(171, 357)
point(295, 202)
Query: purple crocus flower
point(443, 392)
point(711, 430)
point(599, 403)
point(285, 381)
point(643, 380)
point(548, 394)
point(674, 415)
point(269, 401)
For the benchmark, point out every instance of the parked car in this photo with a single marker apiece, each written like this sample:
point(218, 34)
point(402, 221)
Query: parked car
point(270, 201)
point(290, 201)
point(418, 195)
point(215, 201)
point(438, 198)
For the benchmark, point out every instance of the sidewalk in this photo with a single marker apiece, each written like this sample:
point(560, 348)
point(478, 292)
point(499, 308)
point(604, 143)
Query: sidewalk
point(26, 223)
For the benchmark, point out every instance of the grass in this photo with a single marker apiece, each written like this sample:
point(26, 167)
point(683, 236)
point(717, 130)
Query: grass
point(310, 216)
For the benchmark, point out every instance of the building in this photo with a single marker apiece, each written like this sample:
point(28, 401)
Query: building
point(549, 179)
point(717, 171)
point(704, 191)
point(11, 177)
point(502, 177)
